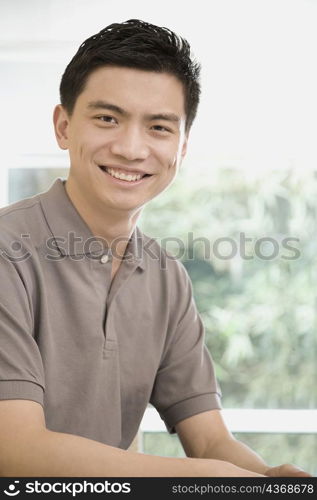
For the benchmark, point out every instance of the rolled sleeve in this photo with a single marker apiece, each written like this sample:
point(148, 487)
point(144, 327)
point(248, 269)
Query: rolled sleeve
point(185, 383)
point(21, 367)
point(188, 408)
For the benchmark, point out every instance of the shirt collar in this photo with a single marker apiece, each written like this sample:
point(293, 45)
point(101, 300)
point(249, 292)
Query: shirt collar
point(71, 234)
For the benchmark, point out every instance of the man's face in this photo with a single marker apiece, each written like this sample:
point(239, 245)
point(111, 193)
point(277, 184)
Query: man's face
point(125, 121)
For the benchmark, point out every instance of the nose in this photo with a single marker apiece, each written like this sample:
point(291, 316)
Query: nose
point(130, 143)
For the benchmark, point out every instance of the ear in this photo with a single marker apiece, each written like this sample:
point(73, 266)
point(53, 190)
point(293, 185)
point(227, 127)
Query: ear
point(61, 123)
point(184, 146)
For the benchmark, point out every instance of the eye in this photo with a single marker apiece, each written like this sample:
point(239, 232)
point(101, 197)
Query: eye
point(106, 118)
point(160, 128)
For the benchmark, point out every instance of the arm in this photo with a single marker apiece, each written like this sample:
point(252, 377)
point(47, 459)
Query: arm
point(28, 448)
point(206, 436)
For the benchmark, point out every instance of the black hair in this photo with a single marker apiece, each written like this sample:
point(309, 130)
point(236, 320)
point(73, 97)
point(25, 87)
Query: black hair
point(134, 44)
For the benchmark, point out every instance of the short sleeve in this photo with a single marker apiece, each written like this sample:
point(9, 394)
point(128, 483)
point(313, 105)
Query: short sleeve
point(21, 367)
point(185, 383)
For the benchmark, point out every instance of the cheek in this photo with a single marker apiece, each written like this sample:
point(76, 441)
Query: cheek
point(168, 154)
point(87, 150)
point(87, 138)
point(173, 163)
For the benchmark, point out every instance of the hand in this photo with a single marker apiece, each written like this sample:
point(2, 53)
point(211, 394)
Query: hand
point(286, 470)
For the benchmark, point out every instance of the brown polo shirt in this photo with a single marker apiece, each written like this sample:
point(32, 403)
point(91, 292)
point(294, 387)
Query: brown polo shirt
point(91, 352)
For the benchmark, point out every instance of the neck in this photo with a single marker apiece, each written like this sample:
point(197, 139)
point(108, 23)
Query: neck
point(113, 226)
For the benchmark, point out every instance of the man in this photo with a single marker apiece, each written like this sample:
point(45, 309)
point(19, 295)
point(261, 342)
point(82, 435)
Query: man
point(96, 320)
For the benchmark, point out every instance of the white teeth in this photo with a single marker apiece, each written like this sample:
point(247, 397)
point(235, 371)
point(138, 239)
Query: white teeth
point(125, 177)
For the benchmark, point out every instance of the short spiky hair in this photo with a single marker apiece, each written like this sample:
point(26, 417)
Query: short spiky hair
point(134, 44)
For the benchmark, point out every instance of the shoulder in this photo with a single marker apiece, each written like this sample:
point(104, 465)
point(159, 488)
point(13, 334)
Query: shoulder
point(20, 221)
point(18, 211)
point(21, 226)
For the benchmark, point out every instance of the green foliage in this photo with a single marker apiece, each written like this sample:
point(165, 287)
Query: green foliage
point(259, 312)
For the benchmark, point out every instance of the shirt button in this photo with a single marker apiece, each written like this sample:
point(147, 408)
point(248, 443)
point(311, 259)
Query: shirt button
point(104, 259)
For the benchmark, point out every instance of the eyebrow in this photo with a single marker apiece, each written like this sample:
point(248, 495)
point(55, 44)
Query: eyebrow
point(94, 105)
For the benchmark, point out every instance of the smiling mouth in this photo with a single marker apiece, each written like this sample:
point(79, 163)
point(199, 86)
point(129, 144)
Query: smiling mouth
point(123, 177)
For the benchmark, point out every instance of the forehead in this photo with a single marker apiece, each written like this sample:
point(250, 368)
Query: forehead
point(134, 89)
